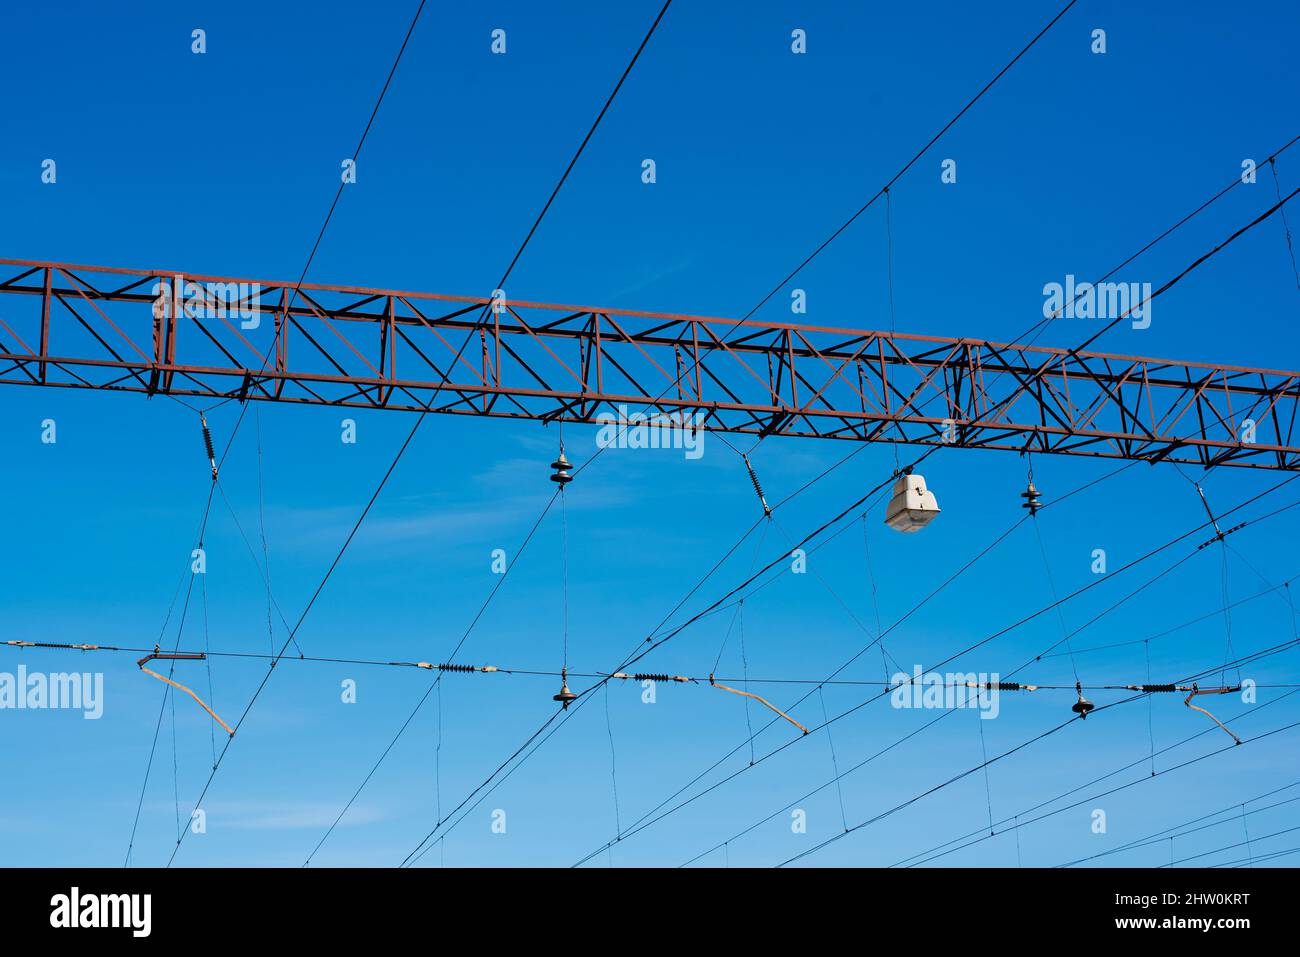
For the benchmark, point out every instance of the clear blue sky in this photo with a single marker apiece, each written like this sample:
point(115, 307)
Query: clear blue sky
point(225, 163)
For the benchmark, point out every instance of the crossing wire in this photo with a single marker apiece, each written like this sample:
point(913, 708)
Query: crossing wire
point(418, 852)
point(1017, 748)
point(640, 826)
point(944, 849)
point(997, 406)
point(469, 334)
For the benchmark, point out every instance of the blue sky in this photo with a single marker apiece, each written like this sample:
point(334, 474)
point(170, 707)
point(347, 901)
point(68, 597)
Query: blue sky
point(225, 163)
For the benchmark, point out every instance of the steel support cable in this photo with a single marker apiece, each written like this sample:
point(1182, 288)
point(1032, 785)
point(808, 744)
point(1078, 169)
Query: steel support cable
point(1073, 352)
point(910, 163)
point(387, 474)
point(1275, 650)
point(1178, 277)
point(686, 372)
point(896, 623)
point(583, 145)
point(946, 848)
point(1137, 781)
point(584, 695)
point(637, 826)
point(257, 693)
point(1186, 624)
point(1148, 246)
point(1160, 575)
point(978, 831)
point(418, 853)
point(454, 668)
point(1013, 750)
point(162, 707)
point(1229, 847)
point(329, 215)
point(243, 409)
point(1163, 289)
point(1183, 273)
point(1033, 331)
point(514, 260)
point(436, 681)
point(1041, 326)
point(1259, 858)
point(1159, 837)
point(1169, 284)
point(1286, 226)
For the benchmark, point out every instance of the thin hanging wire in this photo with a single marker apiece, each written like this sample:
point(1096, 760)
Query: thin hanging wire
point(1223, 575)
point(261, 526)
point(176, 785)
point(889, 260)
point(1250, 854)
point(758, 548)
point(1051, 580)
point(984, 756)
point(437, 758)
point(1295, 624)
point(613, 778)
point(1277, 186)
point(875, 596)
point(212, 698)
point(564, 549)
point(1227, 614)
point(1151, 727)
point(835, 764)
point(744, 673)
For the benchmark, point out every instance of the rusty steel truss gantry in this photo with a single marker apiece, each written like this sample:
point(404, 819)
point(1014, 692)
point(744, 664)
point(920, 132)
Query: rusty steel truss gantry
point(156, 331)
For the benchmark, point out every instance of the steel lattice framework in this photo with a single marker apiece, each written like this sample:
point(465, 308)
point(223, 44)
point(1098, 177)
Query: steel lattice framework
point(152, 331)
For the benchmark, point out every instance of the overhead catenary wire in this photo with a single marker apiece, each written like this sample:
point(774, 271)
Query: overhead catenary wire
point(979, 836)
point(961, 775)
point(640, 825)
point(274, 657)
point(1161, 835)
point(479, 793)
point(981, 833)
point(501, 283)
point(1162, 289)
point(230, 442)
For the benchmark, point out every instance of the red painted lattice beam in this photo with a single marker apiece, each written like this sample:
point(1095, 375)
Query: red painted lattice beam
point(131, 330)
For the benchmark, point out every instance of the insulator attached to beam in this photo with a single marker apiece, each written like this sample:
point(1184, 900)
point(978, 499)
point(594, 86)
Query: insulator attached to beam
point(207, 445)
point(561, 476)
point(758, 488)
